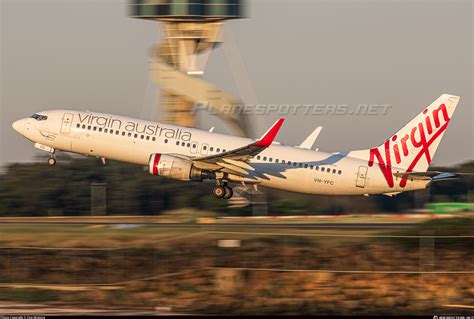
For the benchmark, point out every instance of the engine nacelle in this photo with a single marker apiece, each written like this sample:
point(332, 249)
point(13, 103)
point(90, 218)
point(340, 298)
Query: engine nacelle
point(173, 167)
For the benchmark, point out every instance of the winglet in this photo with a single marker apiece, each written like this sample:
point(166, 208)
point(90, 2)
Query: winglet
point(267, 138)
point(309, 141)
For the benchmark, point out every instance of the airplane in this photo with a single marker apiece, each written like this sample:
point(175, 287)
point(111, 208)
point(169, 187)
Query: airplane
point(189, 154)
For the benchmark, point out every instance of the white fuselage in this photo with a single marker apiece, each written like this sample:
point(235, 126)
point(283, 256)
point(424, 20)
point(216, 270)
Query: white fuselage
point(133, 141)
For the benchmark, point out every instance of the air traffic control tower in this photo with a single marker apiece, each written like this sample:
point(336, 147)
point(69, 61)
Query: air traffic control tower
point(190, 29)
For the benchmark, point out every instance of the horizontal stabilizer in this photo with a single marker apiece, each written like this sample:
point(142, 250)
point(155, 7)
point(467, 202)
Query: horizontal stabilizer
point(430, 175)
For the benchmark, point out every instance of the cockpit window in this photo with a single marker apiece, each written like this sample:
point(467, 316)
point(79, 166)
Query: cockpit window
point(39, 117)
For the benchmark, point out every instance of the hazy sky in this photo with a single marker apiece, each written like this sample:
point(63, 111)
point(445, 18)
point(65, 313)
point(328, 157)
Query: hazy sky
point(79, 54)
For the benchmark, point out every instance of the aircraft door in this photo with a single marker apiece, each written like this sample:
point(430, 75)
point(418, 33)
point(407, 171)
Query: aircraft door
point(204, 149)
point(66, 123)
point(194, 147)
point(361, 176)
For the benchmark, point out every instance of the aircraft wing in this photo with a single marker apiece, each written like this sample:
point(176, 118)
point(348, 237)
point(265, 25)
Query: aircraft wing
point(236, 161)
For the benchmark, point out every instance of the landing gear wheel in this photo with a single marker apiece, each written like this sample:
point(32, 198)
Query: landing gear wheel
point(228, 192)
point(51, 161)
point(218, 191)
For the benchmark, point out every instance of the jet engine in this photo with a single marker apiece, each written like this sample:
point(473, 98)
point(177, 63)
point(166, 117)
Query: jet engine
point(174, 167)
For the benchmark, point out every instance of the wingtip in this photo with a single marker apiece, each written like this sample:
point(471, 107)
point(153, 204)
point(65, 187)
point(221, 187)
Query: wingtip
point(267, 138)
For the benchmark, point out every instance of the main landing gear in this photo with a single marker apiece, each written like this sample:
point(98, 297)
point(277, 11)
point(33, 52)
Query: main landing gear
point(222, 191)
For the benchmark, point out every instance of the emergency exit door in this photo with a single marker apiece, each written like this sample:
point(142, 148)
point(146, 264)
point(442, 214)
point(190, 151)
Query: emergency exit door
point(361, 176)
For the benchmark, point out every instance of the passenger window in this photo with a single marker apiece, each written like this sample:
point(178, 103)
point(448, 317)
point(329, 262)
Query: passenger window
point(83, 126)
point(166, 140)
point(100, 129)
point(212, 149)
point(95, 128)
point(142, 137)
point(283, 161)
point(223, 151)
point(322, 169)
point(258, 157)
point(204, 147)
point(123, 133)
point(78, 125)
point(265, 158)
point(339, 172)
point(153, 138)
point(289, 162)
point(294, 164)
point(188, 145)
point(317, 168)
point(129, 134)
point(116, 132)
point(334, 171)
point(218, 150)
point(135, 135)
point(183, 144)
point(305, 165)
point(270, 159)
point(111, 132)
point(277, 160)
point(106, 130)
point(89, 127)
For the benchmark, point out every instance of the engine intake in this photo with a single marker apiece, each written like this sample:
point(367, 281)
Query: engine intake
point(173, 167)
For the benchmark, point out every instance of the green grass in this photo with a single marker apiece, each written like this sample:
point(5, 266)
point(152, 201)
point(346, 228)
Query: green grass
point(28, 295)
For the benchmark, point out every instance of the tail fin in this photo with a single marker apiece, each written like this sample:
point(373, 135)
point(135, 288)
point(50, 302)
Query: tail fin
point(412, 148)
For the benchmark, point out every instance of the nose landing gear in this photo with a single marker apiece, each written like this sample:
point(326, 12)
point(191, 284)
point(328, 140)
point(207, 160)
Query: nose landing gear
point(51, 161)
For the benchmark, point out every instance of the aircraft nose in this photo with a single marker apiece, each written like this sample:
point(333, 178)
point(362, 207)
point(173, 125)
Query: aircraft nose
point(19, 126)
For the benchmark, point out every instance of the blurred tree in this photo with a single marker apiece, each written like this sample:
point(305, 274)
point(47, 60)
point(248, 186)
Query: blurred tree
point(36, 189)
